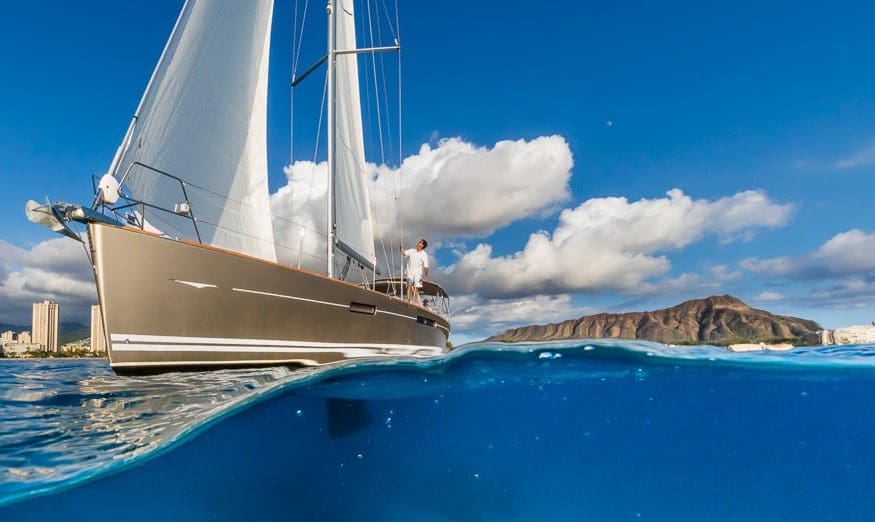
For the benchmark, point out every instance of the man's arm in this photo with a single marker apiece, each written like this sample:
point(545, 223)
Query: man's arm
point(401, 246)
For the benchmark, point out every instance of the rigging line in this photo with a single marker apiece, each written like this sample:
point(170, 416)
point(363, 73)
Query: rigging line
point(294, 39)
point(396, 225)
point(292, 89)
point(376, 86)
point(396, 36)
point(292, 127)
point(389, 267)
point(169, 203)
point(367, 112)
point(242, 204)
point(398, 200)
point(315, 155)
point(362, 169)
point(385, 90)
point(274, 243)
point(386, 100)
point(300, 37)
point(398, 42)
point(379, 116)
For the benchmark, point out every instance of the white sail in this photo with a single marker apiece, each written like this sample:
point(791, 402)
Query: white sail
point(203, 118)
point(352, 202)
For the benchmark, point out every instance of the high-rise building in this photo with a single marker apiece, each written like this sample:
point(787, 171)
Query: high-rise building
point(7, 336)
point(24, 337)
point(98, 339)
point(45, 325)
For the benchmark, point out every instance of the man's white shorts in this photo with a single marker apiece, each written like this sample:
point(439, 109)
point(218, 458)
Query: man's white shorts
point(416, 281)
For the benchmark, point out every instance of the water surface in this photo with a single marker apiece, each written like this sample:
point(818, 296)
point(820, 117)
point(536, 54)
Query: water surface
point(565, 431)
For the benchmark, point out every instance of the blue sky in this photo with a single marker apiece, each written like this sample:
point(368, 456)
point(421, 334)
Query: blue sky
point(714, 100)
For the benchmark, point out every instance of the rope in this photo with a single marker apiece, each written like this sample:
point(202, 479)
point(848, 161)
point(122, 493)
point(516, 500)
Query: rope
point(313, 168)
point(398, 213)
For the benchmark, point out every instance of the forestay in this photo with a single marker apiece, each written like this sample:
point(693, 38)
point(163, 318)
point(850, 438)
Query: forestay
point(203, 118)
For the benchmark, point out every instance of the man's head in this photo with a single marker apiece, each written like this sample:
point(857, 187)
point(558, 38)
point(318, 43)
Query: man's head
point(422, 244)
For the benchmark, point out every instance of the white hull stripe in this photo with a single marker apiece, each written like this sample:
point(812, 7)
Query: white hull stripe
point(393, 313)
point(195, 284)
point(122, 339)
point(305, 362)
point(350, 351)
point(283, 296)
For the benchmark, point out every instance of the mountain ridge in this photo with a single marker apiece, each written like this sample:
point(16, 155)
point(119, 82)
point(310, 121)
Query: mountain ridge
point(718, 319)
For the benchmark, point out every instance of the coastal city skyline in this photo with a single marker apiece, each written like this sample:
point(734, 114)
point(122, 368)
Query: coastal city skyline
point(45, 334)
point(634, 173)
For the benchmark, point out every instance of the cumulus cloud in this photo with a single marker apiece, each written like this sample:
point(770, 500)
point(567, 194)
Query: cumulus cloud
point(844, 265)
point(461, 190)
point(613, 244)
point(479, 318)
point(848, 254)
point(298, 210)
point(56, 269)
point(455, 189)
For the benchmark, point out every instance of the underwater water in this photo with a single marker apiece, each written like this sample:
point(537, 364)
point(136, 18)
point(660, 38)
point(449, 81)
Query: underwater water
point(593, 430)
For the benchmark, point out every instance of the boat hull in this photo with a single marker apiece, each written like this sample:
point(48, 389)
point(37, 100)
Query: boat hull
point(170, 305)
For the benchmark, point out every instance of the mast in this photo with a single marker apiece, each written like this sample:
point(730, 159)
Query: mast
point(332, 130)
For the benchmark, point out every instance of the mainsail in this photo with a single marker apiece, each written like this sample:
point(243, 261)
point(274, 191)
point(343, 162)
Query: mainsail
point(203, 118)
point(352, 203)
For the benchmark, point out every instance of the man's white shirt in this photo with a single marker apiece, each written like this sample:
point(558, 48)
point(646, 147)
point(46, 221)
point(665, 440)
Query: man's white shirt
point(417, 262)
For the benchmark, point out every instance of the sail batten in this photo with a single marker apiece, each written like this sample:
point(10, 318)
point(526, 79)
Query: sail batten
point(203, 118)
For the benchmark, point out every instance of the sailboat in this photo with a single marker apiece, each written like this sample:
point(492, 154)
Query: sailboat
point(180, 232)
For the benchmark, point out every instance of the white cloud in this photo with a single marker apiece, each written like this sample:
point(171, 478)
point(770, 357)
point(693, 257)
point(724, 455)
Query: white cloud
point(689, 284)
point(861, 158)
point(776, 266)
point(56, 269)
point(613, 244)
point(478, 318)
point(769, 297)
point(455, 189)
point(845, 264)
point(459, 189)
point(850, 253)
point(849, 293)
point(298, 210)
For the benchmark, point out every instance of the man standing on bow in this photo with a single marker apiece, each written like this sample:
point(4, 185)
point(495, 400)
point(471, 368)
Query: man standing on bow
point(417, 268)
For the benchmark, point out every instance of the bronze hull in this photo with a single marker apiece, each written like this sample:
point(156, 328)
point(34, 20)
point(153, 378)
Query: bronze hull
point(171, 304)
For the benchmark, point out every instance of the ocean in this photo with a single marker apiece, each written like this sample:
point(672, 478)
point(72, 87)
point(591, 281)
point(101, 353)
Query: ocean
point(582, 430)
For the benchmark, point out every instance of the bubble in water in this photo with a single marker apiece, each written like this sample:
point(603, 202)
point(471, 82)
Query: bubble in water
point(299, 413)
